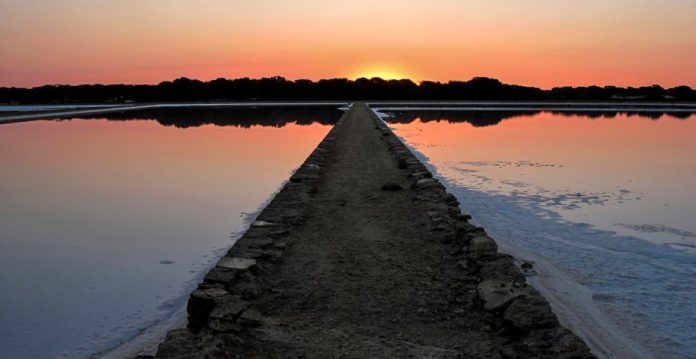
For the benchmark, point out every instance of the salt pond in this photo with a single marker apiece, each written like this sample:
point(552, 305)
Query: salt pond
point(603, 203)
point(108, 222)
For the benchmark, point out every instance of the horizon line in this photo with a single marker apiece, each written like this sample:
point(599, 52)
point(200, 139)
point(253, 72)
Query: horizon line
point(417, 82)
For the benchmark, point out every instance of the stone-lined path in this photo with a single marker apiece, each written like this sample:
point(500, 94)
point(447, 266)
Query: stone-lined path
point(364, 255)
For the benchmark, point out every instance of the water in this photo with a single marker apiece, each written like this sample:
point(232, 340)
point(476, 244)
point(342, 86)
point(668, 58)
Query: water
point(13, 109)
point(604, 204)
point(107, 223)
point(10, 113)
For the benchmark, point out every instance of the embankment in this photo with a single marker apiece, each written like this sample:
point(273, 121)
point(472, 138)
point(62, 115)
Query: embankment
point(364, 254)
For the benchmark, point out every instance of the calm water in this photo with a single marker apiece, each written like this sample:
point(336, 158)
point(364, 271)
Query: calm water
point(108, 223)
point(604, 205)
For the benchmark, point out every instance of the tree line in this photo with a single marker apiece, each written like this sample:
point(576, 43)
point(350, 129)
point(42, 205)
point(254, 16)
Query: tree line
point(278, 88)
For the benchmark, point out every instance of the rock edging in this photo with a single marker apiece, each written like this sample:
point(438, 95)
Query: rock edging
point(222, 304)
point(522, 315)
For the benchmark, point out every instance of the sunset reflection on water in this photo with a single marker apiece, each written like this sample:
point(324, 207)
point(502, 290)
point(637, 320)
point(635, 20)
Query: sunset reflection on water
point(93, 211)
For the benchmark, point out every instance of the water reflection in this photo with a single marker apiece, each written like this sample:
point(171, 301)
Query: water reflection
point(108, 222)
point(606, 201)
point(244, 117)
point(494, 117)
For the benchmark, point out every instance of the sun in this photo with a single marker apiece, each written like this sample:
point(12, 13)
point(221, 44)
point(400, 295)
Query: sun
point(384, 72)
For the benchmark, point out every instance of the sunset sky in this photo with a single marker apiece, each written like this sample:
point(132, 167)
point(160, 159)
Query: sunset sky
point(542, 43)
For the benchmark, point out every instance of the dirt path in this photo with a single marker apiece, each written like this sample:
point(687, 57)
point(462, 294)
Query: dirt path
point(368, 272)
point(364, 270)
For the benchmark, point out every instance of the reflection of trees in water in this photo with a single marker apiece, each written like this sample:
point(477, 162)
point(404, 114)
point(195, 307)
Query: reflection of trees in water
point(476, 118)
point(490, 118)
point(246, 117)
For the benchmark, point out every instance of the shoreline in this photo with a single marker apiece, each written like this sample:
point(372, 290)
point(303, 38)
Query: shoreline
point(146, 341)
point(601, 335)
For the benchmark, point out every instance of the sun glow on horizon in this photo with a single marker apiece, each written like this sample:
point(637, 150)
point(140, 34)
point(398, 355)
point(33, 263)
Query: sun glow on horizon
point(539, 43)
point(385, 72)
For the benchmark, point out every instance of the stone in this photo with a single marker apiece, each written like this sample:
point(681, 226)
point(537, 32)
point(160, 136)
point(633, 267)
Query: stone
point(425, 183)
point(251, 317)
point(236, 263)
point(224, 316)
point(229, 309)
point(240, 250)
point(452, 201)
point(502, 267)
point(497, 294)
point(529, 312)
point(482, 246)
point(417, 167)
point(465, 216)
point(469, 229)
point(390, 186)
point(422, 174)
point(246, 287)
point(220, 275)
point(201, 303)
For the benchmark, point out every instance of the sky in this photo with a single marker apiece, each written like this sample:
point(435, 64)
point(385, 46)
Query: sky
point(542, 43)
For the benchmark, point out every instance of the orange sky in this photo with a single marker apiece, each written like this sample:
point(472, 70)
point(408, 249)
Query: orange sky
point(533, 42)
